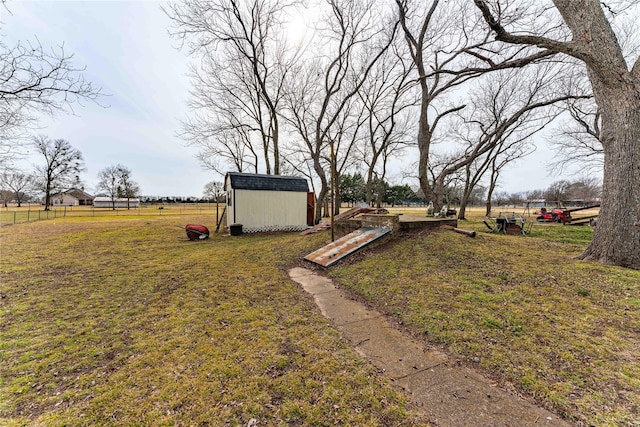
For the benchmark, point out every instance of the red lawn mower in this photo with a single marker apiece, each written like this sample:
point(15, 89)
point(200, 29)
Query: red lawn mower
point(554, 215)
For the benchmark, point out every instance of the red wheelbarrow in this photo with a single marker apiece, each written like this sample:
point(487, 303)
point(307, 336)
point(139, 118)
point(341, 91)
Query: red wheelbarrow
point(196, 231)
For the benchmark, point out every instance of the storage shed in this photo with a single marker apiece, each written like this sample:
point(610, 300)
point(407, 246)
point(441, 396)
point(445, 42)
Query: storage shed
point(266, 202)
point(121, 202)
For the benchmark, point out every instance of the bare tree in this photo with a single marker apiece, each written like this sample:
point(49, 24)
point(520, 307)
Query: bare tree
point(109, 183)
point(353, 42)
point(587, 189)
point(18, 182)
point(214, 190)
point(590, 38)
point(35, 80)
point(448, 50)
point(238, 85)
point(506, 154)
point(116, 182)
point(386, 98)
point(5, 196)
point(577, 140)
point(506, 109)
point(345, 136)
point(61, 168)
point(128, 188)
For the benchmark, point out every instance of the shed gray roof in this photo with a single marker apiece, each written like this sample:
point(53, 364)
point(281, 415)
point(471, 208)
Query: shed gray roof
point(250, 181)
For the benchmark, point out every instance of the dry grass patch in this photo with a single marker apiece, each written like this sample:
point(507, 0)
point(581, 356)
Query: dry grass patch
point(126, 322)
point(522, 309)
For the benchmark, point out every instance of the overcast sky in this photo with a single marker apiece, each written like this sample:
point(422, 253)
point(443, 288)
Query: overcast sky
point(127, 51)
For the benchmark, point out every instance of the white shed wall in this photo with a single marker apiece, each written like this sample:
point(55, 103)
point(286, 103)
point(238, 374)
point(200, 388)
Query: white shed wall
point(260, 210)
point(106, 202)
point(64, 200)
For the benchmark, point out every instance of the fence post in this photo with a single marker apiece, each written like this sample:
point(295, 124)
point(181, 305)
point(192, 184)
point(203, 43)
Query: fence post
point(14, 217)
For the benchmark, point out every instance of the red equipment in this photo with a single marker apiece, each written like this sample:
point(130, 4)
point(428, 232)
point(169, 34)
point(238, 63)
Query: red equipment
point(197, 232)
point(564, 215)
point(556, 215)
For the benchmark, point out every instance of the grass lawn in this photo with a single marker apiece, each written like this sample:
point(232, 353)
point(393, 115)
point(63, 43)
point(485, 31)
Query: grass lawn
point(521, 309)
point(123, 321)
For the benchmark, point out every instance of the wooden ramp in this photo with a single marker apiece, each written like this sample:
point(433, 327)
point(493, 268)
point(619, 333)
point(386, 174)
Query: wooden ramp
point(344, 215)
point(352, 242)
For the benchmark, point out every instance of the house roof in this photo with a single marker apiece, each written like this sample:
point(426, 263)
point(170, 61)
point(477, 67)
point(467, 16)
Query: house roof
point(64, 193)
point(250, 181)
point(79, 193)
point(76, 193)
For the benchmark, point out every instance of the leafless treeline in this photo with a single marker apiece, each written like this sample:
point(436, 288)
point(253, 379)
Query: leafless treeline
point(368, 82)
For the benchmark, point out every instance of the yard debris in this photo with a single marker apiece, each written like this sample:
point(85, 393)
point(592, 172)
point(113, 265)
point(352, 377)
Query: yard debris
point(508, 224)
point(465, 232)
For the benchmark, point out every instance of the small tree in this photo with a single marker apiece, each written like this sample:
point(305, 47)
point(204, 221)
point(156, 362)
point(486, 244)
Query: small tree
point(352, 188)
point(17, 182)
point(5, 196)
point(115, 181)
point(127, 187)
point(214, 190)
point(61, 169)
point(108, 183)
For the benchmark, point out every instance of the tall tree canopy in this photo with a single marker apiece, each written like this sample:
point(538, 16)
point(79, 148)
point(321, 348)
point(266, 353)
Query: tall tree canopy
point(587, 35)
point(61, 167)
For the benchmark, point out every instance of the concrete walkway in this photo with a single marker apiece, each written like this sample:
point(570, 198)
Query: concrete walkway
point(451, 395)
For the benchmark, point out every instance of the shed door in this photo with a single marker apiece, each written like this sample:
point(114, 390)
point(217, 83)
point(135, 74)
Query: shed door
point(311, 209)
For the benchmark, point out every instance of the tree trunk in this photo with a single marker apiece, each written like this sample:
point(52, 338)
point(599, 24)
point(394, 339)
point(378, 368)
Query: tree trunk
point(492, 187)
point(617, 240)
point(338, 196)
point(438, 193)
point(324, 189)
point(617, 93)
point(369, 188)
point(424, 145)
point(616, 89)
point(47, 195)
point(463, 205)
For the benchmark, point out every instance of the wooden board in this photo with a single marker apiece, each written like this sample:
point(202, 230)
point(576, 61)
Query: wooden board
point(345, 246)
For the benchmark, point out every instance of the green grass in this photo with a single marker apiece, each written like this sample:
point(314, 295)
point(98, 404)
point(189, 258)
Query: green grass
point(562, 331)
point(31, 213)
point(123, 321)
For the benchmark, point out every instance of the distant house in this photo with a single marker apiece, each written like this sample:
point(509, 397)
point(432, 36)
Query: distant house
point(266, 202)
point(72, 197)
point(107, 202)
